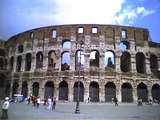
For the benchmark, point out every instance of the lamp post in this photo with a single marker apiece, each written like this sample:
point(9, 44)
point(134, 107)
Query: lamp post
point(77, 110)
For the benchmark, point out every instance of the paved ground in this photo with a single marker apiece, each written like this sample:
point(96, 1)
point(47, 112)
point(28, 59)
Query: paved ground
point(89, 111)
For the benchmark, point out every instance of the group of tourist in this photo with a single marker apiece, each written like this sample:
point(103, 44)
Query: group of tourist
point(49, 102)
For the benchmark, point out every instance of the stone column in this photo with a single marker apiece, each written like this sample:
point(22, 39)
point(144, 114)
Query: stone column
point(102, 93)
point(102, 61)
point(45, 60)
point(41, 90)
point(30, 88)
point(72, 60)
point(86, 92)
point(147, 61)
point(20, 85)
point(133, 63)
point(33, 64)
point(86, 64)
point(117, 57)
point(23, 63)
point(56, 90)
point(70, 91)
point(135, 97)
point(149, 92)
point(118, 92)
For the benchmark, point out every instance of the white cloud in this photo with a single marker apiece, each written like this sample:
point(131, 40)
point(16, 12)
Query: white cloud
point(87, 11)
point(129, 15)
point(144, 12)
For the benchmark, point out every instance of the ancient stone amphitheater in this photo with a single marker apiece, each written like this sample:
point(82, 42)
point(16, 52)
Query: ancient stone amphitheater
point(105, 61)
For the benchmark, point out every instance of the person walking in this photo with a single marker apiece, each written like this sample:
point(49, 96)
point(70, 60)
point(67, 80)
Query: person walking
point(54, 103)
point(5, 107)
point(38, 101)
point(116, 101)
point(49, 103)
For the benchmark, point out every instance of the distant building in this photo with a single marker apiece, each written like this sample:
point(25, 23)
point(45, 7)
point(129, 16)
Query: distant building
point(108, 60)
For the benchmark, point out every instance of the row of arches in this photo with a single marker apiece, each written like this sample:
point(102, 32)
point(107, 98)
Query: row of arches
point(94, 90)
point(94, 58)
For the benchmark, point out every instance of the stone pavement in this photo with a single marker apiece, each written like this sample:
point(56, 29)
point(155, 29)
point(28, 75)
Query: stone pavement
point(89, 111)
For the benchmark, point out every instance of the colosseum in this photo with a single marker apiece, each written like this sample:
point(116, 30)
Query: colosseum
point(93, 61)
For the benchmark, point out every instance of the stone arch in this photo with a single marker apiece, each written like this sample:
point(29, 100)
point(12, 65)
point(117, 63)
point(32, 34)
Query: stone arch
point(125, 62)
point(39, 59)
point(80, 91)
point(124, 45)
point(127, 92)
point(142, 92)
point(140, 62)
point(15, 88)
point(49, 89)
point(66, 44)
point(94, 91)
point(63, 90)
point(28, 61)
point(20, 48)
point(79, 59)
point(153, 63)
point(94, 58)
point(52, 59)
point(109, 59)
point(110, 91)
point(19, 63)
point(156, 92)
point(35, 89)
point(24, 89)
point(65, 61)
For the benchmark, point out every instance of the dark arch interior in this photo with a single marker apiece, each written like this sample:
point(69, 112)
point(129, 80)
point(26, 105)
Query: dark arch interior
point(35, 89)
point(110, 91)
point(153, 63)
point(140, 63)
point(49, 89)
point(79, 92)
point(125, 62)
point(127, 95)
point(24, 89)
point(15, 88)
point(94, 92)
point(39, 60)
point(156, 92)
point(63, 91)
point(28, 62)
point(142, 92)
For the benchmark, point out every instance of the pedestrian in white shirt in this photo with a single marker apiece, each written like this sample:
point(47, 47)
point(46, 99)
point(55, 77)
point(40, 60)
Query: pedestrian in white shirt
point(38, 101)
point(49, 104)
point(5, 107)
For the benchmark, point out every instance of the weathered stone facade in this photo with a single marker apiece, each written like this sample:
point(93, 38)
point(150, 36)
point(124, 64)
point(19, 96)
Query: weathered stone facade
point(49, 61)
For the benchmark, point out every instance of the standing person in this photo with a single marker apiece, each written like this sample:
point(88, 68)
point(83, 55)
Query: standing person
point(38, 101)
point(116, 101)
point(54, 103)
point(49, 103)
point(5, 107)
point(29, 100)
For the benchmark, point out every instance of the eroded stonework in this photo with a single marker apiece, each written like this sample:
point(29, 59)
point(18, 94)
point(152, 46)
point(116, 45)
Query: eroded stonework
point(108, 60)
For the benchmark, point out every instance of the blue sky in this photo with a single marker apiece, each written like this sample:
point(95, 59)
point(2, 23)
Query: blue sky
point(20, 15)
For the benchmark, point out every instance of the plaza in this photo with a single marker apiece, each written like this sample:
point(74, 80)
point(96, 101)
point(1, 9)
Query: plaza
point(88, 111)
